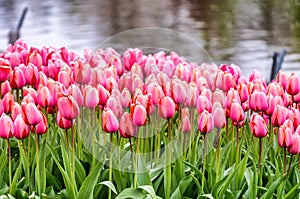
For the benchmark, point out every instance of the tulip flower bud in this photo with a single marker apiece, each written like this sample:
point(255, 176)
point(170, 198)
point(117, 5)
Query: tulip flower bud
point(5, 70)
point(295, 146)
point(110, 122)
point(258, 126)
point(166, 107)
point(127, 128)
point(7, 127)
point(68, 107)
point(21, 129)
point(205, 122)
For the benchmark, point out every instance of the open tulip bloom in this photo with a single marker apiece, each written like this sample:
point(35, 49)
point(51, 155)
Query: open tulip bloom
point(105, 125)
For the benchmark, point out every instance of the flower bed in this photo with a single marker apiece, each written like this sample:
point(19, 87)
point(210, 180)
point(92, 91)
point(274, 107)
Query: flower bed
point(105, 125)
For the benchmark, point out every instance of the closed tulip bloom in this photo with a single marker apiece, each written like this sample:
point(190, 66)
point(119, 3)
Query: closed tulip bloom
point(203, 104)
point(166, 108)
point(279, 115)
point(65, 78)
point(125, 98)
point(293, 84)
point(17, 79)
point(62, 122)
point(285, 136)
point(139, 115)
point(82, 72)
point(15, 110)
point(275, 88)
point(205, 122)
point(179, 92)
point(127, 128)
point(44, 96)
point(68, 107)
point(36, 59)
point(232, 95)
point(5, 70)
point(258, 126)
point(103, 95)
point(295, 146)
point(219, 115)
point(7, 102)
point(21, 128)
point(7, 127)
point(192, 94)
point(236, 112)
point(115, 105)
point(258, 101)
point(32, 75)
point(185, 124)
point(31, 115)
point(91, 97)
point(42, 126)
point(5, 88)
point(32, 92)
point(76, 93)
point(110, 122)
point(228, 81)
point(1, 107)
point(243, 92)
point(218, 96)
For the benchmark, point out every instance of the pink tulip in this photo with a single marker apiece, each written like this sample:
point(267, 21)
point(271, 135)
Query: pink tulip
point(285, 136)
point(258, 126)
point(205, 122)
point(32, 92)
point(275, 88)
point(91, 97)
point(76, 93)
point(232, 95)
point(31, 115)
point(258, 101)
point(15, 110)
point(5, 70)
point(115, 105)
point(127, 128)
point(32, 75)
point(279, 115)
point(125, 98)
point(295, 146)
point(7, 127)
point(7, 102)
point(243, 92)
point(82, 72)
point(42, 126)
point(203, 104)
point(62, 122)
point(21, 129)
point(293, 84)
point(5, 88)
point(192, 94)
point(218, 96)
point(237, 113)
point(185, 124)
point(139, 115)
point(68, 107)
point(166, 107)
point(132, 56)
point(282, 78)
point(103, 95)
point(36, 59)
point(44, 96)
point(17, 79)
point(65, 78)
point(110, 122)
point(219, 115)
point(228, 81)
point(1, 107)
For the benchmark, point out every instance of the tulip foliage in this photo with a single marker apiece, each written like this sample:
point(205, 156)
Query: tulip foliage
point(104, 125)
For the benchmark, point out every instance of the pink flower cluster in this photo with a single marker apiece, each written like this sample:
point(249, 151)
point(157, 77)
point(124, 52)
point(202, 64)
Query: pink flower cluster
point(131, 87)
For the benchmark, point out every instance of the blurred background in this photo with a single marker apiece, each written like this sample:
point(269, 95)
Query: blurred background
point(244, 32)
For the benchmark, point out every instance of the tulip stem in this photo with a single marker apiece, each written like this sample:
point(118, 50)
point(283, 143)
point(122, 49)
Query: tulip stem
point(133, 163)
point(284, 160)
point(204, 161)
point(291, 158)
point(67, 141)
point(73, 152)
point(299, 161)
point(9, 161)
point(237, 146)
point(110, 164)
point(168, 169)
point(260, 153)
point(37, 161)
point(218, 153)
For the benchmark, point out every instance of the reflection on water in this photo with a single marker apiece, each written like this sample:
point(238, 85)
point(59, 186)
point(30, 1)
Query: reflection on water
point(245, 32)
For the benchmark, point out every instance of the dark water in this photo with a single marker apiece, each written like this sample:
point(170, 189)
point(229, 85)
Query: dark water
point(244, 32)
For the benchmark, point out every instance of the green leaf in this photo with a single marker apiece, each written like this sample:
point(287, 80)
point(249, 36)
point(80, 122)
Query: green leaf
point(207, 196)
point(15, 180)
point(3, 162)
point(42, 157)
point(273, 187)
point(150, 190)
point(80, 171)
point(132, 193)
point(293, 192)
point(87, 188)
point(110, 185)
point(143, 177)
point(183, 185)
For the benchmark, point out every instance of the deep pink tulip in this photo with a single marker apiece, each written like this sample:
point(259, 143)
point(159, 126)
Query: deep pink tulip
point(21, 128)
point(205, 122)
point(90, 97)
point(295, 146)
point(243, 92)
point(36, 59)
point(132, 56)
point(1, 107)
point(44, 97)
point(258, 101)
point(275, 88)
point(7, 101)
point(293, 84)
point(68, 107)
point(103, 95)
point(228, 81)
point(232, 95)
point(28, 99)
point(15, 110)
point(62, 122)
point(5, 70)
point(110, 122)
point(279, 115)
point(237, 113)
point(127, 128)
point(139, 115)
point(42, 126)
point(166, 107)
point(17, 79)
point(65, 78)
point(31, 115)
point(258, 126)
point(203, 104)
point(32, 75)
point(282, 78)
point(7, 127)
point(294, 116)
point(219, 115)
point(32, 92)
point(285, 136)
point(5, 88)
